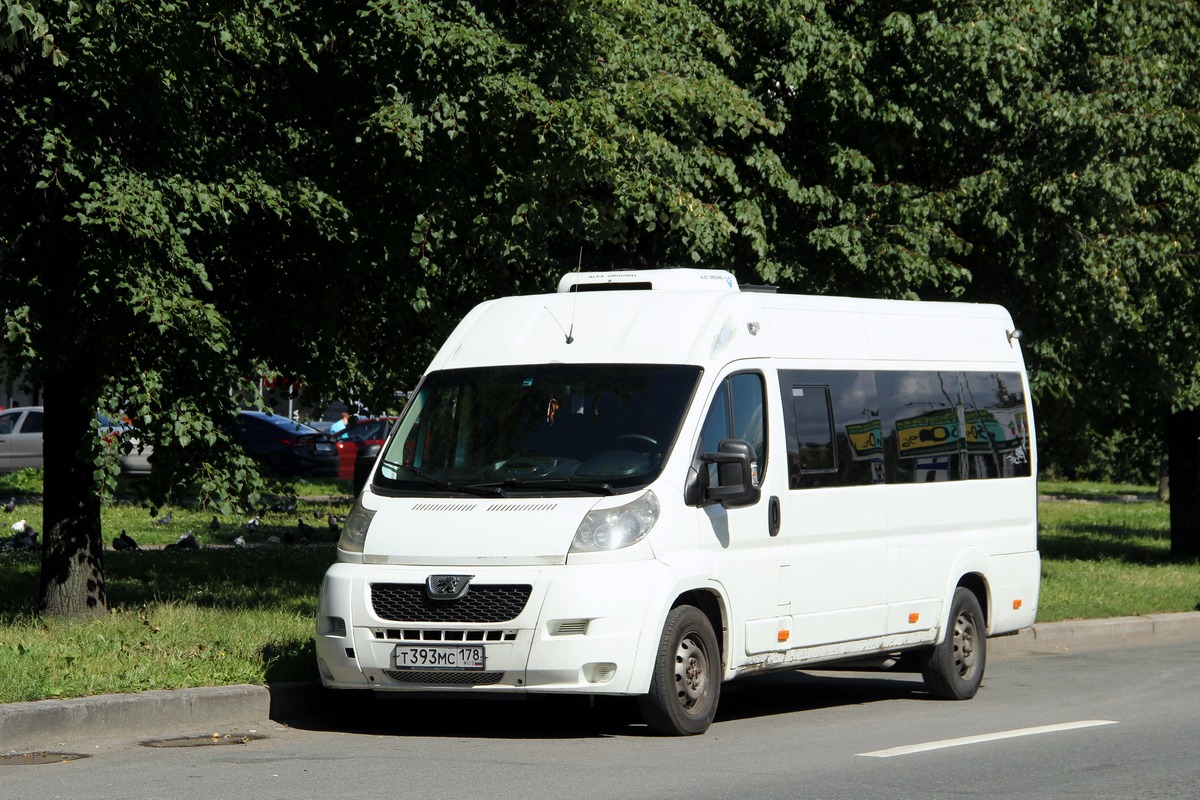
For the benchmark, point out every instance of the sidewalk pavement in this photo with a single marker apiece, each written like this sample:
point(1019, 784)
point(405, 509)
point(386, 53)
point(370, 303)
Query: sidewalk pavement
point(46, 724)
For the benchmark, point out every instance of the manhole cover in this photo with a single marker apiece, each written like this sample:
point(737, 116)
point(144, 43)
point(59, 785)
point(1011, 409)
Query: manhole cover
point(39, 757)
point(208, 740)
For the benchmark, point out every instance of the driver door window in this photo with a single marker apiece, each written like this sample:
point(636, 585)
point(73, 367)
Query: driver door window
point(737, 412)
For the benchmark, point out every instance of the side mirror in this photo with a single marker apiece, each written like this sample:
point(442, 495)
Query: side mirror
point(737, 475)
point(364, 461)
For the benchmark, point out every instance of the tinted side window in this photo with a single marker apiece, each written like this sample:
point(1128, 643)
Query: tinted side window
point(746, 389)
point(716, 423)
point(833, 429)
point(941, 426)
point(923, 420)
point(997, 431)
point(253, 431)
point(737, 412)
point(814, 429)
point(903, 426)
point(32, 423)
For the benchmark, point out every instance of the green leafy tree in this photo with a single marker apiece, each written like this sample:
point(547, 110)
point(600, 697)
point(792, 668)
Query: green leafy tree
point(194, 191)
point(1038, 154)
point(145, 145)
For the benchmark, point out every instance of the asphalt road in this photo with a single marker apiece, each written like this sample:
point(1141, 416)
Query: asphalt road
point(1117, 722)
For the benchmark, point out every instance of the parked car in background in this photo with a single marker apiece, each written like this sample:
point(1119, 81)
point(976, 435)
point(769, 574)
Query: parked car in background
point(285, 446)
point(21, 438)
point(137, 460)
point(21, 442)
point(351, 440)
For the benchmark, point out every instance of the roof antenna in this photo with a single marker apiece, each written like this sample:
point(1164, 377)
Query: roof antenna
point(566, 333)
point(574, 300)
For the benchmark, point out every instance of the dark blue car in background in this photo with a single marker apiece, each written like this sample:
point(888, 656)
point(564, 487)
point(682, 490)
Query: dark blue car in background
point(285, 446)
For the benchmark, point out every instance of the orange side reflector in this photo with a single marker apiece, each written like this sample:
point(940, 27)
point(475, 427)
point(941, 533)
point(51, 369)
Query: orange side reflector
point(783, 635)
point(1016, 604)
point(913, 617)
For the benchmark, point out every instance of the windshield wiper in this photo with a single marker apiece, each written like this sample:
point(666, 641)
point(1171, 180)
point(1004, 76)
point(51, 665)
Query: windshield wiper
point(553, 483)
point(478, 489)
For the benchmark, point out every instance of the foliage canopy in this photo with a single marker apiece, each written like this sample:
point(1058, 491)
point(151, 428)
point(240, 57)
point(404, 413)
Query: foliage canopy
point(196, 193)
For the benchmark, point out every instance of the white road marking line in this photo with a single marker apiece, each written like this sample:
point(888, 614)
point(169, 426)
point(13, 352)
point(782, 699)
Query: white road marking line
point(987, 737)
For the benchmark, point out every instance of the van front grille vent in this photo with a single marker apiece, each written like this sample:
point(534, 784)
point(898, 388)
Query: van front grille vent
point(524, 507)
point(484, 603)
point(422, 635)
point(439, 507)
point(444, 678)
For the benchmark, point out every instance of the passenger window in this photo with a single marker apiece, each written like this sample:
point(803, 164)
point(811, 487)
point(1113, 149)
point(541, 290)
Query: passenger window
point(814, 429)
point(923, 420)
point(997, 428)
point(832, 428)
point(857, 428)
point(32, 423)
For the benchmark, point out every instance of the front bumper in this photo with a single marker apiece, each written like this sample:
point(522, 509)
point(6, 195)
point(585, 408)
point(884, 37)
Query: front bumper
point(581, 630)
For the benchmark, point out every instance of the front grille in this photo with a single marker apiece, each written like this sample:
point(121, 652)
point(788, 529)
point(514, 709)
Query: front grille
point(408, 602)
point(435, 635)
point(444, 678)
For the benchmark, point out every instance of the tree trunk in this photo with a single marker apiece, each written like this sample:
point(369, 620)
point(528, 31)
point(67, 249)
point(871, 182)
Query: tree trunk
point(1164, 483)
point(1183, 449)
point(72, 578)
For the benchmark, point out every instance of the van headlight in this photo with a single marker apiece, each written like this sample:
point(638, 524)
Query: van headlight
point(354, 532)
point(614, 528)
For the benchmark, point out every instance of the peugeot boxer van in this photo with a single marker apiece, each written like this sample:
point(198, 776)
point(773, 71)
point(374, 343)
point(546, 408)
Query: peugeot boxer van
point(650, 483)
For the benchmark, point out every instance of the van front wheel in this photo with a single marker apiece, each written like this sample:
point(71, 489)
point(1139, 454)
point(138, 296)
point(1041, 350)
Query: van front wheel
point(687, 676)
point(953, 669)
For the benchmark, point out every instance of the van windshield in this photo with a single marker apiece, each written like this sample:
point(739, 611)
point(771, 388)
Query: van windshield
point(537, 429)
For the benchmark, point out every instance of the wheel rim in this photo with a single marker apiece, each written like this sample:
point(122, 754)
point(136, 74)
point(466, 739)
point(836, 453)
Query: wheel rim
point(691, 674)
point(966, 642)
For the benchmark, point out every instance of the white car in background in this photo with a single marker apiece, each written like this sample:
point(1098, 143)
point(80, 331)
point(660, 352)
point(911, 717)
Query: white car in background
point(137, 460)
point(21, 441)
point(20, 438)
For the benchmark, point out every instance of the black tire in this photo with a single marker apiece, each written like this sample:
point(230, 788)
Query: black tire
point(687, 676)
point(953, 670)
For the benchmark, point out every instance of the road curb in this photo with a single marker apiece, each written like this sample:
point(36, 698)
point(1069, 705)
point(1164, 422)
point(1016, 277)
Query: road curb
point(161, 713)
point(1111, 632)
point(43, 724)
point(154, 713)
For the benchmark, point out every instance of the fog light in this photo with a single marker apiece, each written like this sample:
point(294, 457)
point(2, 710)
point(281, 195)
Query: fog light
point(599, 672)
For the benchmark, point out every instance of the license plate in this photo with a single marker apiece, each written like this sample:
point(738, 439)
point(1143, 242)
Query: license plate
point(323, 447)
point(441, 656)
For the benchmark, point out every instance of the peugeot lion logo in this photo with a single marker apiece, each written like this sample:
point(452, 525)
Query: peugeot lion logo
point(447, 587)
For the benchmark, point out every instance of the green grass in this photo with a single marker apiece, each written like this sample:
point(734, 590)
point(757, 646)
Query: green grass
point(1084, 489)
point(223, 615)
point(177, 618)
point(1106, 559)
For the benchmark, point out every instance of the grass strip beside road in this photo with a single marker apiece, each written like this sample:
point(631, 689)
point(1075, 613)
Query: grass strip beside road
point(222, 615)
point(1111, 558)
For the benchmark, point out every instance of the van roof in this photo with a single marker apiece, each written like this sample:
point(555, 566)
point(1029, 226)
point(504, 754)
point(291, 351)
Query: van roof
point(692, 316)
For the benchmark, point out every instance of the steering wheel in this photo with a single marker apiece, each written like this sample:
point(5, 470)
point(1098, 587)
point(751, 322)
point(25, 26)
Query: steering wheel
point(641, 437)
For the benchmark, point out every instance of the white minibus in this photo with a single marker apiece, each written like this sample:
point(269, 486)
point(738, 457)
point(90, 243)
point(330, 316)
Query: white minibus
point(652, 482)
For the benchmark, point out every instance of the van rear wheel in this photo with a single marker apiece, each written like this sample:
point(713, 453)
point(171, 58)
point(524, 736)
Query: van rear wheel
point(953, 670)
point(686, 683)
